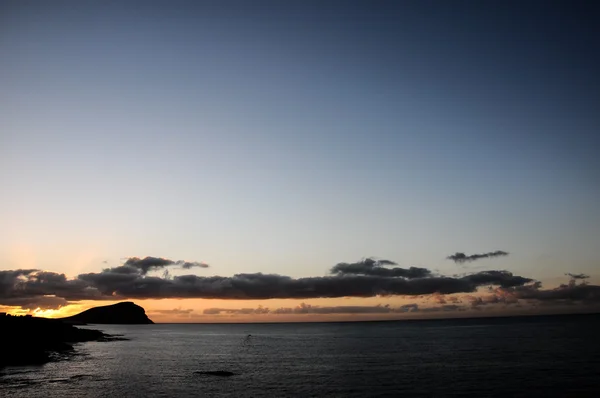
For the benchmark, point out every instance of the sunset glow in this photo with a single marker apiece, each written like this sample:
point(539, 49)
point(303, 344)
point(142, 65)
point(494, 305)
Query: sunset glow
point(301, 164)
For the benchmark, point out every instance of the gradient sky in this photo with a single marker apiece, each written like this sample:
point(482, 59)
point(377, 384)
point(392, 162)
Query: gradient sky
point(286, 137)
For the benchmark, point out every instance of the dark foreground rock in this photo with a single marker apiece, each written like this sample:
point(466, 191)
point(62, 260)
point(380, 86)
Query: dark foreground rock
point(35, 341)
point(125, 313)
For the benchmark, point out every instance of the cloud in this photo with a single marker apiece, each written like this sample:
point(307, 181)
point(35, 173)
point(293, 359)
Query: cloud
point(245, 311)
point(578, 276)
point(304, 308)
point(578, 293)
point(8, 278)
point(443, 308)
point(498, 297)
point(370, 266)
point(131, 281)
point(29, 283)
point(344, 309)
point(438, 298)
point(34, 302)
point(122, 283)
point(31, 287)
point(500, 278)
point(149, 263)
point(408, 308)
point(174, 311)
point(463, 258)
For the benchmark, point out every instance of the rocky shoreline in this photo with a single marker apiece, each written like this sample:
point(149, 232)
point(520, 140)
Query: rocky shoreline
point(35, 341)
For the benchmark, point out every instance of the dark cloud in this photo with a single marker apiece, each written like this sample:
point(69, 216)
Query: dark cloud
point(463, 258)
point(30, 287)
point(578, 276)
point(152, 263)
point(9, 278)
point(29, 283)
point(500, 278)
point(370, 266)
point(572, 292)
point(188, 265)
point(112, 282)
point(35, 302)
point(128, 281)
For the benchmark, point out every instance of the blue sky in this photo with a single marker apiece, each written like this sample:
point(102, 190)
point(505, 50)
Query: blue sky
point(284, 137)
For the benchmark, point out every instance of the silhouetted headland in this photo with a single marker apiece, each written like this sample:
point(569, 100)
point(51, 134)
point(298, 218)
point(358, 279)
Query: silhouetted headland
point(125, 313)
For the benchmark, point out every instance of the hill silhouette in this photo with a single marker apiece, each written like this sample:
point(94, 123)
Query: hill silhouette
point(126, 313)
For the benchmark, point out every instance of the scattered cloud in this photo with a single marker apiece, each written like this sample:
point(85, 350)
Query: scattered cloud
point(408, 308)
point(174, 311)
point(501, 278)
point(370, 266)
point(443, 308)
point(316, 309)
point(437, 298)
point(463, 258)
point(344, 309)
point(499, 296)
point(35, 302)
point(245, 311)
point(153, 263)
point(578, 276)
point(572, 292)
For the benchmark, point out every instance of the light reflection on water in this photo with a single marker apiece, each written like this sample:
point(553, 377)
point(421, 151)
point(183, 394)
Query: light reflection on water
point(556, 356)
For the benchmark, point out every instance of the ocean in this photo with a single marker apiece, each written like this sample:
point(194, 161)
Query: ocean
point(546, 356)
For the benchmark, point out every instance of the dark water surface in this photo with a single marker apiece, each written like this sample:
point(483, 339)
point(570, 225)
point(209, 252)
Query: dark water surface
point(555, 356)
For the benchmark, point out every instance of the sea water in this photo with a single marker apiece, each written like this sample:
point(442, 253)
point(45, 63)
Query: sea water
point(556, 356)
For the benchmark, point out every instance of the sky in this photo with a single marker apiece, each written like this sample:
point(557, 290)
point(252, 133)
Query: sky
point(264, 140)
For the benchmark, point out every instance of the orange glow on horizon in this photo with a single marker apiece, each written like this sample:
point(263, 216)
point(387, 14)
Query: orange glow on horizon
point(46, 313)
